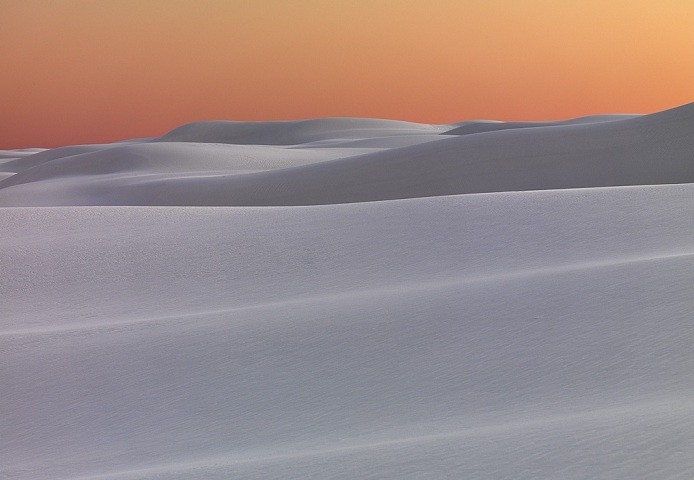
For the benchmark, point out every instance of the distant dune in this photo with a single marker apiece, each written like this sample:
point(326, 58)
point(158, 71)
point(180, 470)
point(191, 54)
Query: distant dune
point(376, 299)
point(329, 161)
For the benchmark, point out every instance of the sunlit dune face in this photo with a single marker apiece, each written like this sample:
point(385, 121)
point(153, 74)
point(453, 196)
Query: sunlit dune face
point(84, 71)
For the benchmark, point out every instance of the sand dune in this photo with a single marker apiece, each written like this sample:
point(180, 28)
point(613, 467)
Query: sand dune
point(646, 150)
point(295, 132)
point(376, 299)
point(471, 126)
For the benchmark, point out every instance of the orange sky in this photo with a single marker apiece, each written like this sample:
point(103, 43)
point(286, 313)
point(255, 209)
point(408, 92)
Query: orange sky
point(87, 71)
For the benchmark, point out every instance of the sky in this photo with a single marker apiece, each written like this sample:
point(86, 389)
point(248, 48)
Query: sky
point(90, 71)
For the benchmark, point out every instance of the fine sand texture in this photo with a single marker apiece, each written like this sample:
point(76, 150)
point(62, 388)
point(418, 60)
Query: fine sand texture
point(352, 298)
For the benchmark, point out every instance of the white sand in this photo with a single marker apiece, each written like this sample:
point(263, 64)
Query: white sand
point(376, 299)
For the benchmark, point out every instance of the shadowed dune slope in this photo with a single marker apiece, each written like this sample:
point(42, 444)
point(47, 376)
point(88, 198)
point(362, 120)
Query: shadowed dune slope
point(481, 126)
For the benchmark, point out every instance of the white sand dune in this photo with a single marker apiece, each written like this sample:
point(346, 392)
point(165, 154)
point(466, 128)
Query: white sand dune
point(296, 132)
point(471, 126)
point(376, 299)
point(645, 150)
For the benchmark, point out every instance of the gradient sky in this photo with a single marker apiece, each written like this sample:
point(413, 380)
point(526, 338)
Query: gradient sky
point(88, 71)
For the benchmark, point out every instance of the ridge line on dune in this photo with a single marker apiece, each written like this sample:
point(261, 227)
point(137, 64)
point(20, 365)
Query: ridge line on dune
point(680, 405)
point(547, 191)
point(378, 290)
